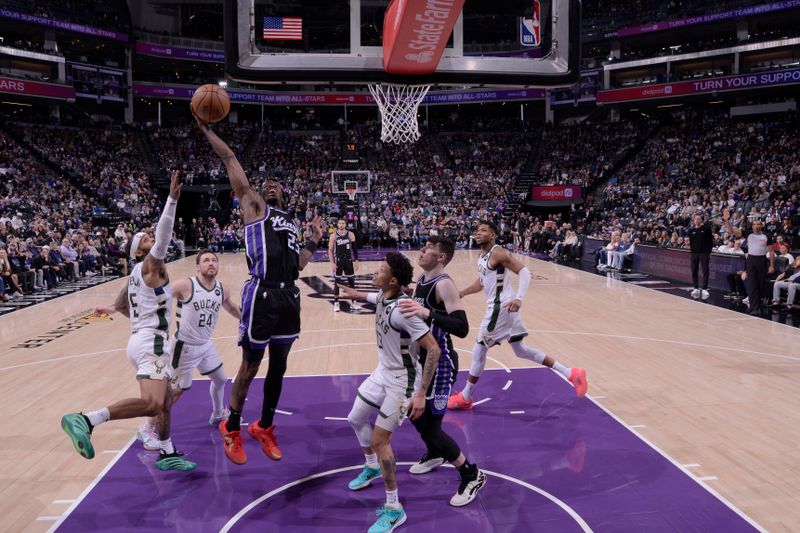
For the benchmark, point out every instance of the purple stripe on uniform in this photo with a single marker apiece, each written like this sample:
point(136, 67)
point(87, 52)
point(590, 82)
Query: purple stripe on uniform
point(248, 291)
point(260, 250)
point(249, 247)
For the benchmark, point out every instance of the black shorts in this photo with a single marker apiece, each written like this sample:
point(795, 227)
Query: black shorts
point(269, 314)
point(344, 267)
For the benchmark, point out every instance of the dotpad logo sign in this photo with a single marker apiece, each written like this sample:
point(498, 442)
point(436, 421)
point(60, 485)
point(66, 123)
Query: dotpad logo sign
point(668, 89)
point(567, 193)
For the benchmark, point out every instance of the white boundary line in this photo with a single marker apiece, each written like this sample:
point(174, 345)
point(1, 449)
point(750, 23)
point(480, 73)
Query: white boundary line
point(507, 385)
point(721, 498)
point(252, 505)
point(88, 489)
point(482, 401)
point(336, 418)
point(691, 465)
point(287, 413)
point(516, 412)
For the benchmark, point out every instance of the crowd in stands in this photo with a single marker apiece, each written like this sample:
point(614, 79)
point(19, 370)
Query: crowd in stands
point(103, 161)
point(46, 231)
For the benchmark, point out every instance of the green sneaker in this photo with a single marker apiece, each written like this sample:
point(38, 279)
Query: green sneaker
point(174, 461)
point(77, 428)
point(365, 478)
point(388, 520)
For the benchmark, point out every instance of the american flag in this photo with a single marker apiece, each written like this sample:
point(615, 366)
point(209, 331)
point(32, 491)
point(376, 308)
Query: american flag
point(283, 28)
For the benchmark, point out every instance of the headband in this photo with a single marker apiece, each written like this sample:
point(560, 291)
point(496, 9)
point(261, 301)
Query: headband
point(135, 244)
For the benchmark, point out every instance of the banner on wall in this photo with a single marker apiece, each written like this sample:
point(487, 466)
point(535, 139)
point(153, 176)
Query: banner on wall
point(36, 88)
point(709, 85)
point(555, 195)
point(285, 98)
point(175, 52)
point(61, 25)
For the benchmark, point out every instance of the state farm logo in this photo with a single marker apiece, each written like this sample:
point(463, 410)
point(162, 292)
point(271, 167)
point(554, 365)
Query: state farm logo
point(422, 57)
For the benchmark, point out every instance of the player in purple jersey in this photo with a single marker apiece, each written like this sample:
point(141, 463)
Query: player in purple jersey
point(270, 299)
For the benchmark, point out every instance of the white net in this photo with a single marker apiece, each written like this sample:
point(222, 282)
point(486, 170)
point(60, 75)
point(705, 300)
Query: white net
point(399, 105)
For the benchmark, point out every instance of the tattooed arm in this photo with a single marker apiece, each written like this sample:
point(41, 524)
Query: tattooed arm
point(429, 344)
point(119, 305)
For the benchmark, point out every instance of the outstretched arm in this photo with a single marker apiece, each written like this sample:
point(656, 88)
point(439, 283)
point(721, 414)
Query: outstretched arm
point(247, 196)
point(726, 217)
point(231, 307)
point(472, 289)
point(119, 305)
point(154, 271)
point(312, 243)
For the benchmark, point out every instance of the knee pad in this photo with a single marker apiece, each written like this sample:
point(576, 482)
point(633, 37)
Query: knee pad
point(359, 419)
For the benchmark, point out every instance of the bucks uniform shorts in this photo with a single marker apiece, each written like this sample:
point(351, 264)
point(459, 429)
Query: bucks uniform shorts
point(149, 353)
point(389, 392)
point(499, 325)
point(270, 313)
point(187, 357)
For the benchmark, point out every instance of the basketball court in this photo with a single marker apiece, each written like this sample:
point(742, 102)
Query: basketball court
point(689, 423)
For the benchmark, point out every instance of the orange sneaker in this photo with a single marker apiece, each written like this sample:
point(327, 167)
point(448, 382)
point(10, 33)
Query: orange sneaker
point(458, 403)
point(267, 439)
point(232, 441)
point(578, 379)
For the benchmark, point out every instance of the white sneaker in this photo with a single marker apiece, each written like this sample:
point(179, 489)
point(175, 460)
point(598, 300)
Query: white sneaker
point(335, 307)
point(426, 464)
point(746, 301)
point(705, 294)
point(147, 436)
point(467, 490)
point(696, 293)
point(217, 418)
point(354, 306)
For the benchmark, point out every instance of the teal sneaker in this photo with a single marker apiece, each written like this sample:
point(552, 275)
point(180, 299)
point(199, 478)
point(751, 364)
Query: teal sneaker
point(77, 428)
point(365, 478)
point(388, 520)
point(174, 461)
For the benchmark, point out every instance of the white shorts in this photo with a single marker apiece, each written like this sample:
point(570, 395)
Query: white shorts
point(149, 353)
point(187, 357)
point(499, 325)
point(389, 392)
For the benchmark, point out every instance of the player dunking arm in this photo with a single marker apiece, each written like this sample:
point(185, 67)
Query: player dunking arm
point(147, 302)
point(199, 301)
point(270, 300)
point(390, 386)
point(502, 321)
point(343, 255)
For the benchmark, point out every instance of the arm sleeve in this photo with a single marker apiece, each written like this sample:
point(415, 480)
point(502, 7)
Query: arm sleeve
point(164, 230)
point(524, 282)
point(372, 298)
point(454, 323)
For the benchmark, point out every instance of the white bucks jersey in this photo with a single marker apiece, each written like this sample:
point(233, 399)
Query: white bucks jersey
point(198, 315)
point(149, 308)
point(395, 333)
point(495, 282)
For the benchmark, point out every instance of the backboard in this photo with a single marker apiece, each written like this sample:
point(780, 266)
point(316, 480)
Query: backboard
point(340, 42)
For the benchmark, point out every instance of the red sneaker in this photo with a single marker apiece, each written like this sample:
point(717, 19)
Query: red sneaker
point(578, 379)
point(458, 403)
point(232, 442)
point(267, 439)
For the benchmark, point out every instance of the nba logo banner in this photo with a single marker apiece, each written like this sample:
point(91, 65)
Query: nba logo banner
point(530, 28)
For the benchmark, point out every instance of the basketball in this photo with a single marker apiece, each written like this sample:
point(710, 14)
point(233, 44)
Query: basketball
point(211, 103)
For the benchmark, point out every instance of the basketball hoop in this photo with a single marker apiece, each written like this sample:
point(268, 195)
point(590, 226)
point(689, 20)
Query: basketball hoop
point(398, 105)
point(351, 191)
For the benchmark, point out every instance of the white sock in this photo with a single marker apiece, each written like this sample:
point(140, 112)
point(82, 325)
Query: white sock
point(392, 500)
point(467, 392)
point(98, 417)
point(372, 460)
point(167, 447)
point(561, 369)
